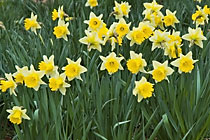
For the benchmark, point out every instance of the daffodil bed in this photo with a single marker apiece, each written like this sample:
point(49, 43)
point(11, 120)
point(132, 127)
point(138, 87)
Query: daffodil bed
point(88, 69)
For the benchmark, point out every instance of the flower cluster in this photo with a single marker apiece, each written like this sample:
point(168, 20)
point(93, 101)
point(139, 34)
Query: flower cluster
point(160, 30)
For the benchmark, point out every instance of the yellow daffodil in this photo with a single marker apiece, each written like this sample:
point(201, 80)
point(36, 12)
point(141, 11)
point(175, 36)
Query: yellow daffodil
point(143, 89)
point(195, 36)
point(159, 39)
point(102, 32)
point(16, 115)
point(175, 38)
point(122, 28)
point(136, 36)
point(74, 69)
point(33, 78)
point(113, 37)
point(111, 63)
point(57, 82)
point(206, 10)
point(91, 40)
point(173, 50)
point(95, 23)
point(61, 31)
point(61, 13)
point(31, 23)
point(161, 71)
point(48, 66)
point(91, 3)
point(170, 18)
point(146, 29)
point(54, 14)
point(200, 16)
point(136, 63)
point(184, 63)
point(19, 75)
point(121, 10)
point(152, 7)
point(8, 84)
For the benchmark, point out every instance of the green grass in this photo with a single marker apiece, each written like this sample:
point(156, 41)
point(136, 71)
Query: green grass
point(102, 107)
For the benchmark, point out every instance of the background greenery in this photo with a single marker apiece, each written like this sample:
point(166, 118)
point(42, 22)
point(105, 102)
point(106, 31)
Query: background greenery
point(102, 106)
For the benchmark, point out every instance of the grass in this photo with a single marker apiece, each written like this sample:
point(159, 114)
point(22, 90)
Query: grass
point(102, 106)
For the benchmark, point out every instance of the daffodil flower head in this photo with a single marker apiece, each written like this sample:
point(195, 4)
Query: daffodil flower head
point(57, 82)
point(161, 71)
point(33, 78)
point(95, 23)
point(31, 23)
point(16, 115)
point(74, 69)
point(136, 63)
point(170, 18)
point(61, 13)
point(48, 66)
point(185, 63)
point(195, 36)
point(143, 89)
point(159, 39)
point(91, 40)
point(91, 3)
point(61, 31)
point(19, 75)
point(111, 63)
point(152, 7)
point(8, 84)
point(122, 28)
point(125, 8)
point(146, 28)
point(173, 50)
point(136, 36)
point(200, 16)
point(54, 14)
point(206, 10)
point(175, 38)
point(117, 10)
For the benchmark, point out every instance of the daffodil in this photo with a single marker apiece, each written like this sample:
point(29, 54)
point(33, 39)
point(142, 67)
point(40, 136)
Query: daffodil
point(161, 71)
point(175, 38)
point(125, 8)
point(48, 66)
point(31, 23)
point(57, 82)
point(195, 36)
point(61, 31)
point(146, 29)
point(91, 3)
point(200, 16)
point(152, 7)
point(117, 10)
point(17, 114)
point(185, 63)
point(111, 63)
point(54, 14)
point(91, 40)
point(136, 63)
point(143, 89)
point(102, 32)
point(19, 75)
point(122, 28)
point(173, 50)
point(8, 84)
point(206, 10)
point(159, 39)
point(113, 37)
point(95, 23)
point(61, 13)
point(33, 78)
point(136, 36)
point(170, 18)
point(74, 69)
